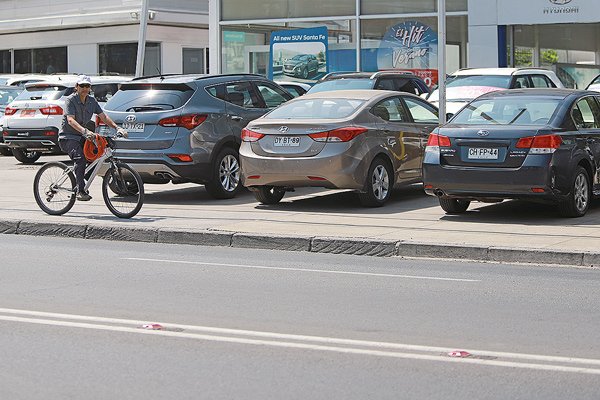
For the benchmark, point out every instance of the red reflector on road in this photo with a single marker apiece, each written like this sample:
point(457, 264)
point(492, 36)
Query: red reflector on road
point(253, 177)
point(153, 327)
point(459, 354)
point(316, 178)
point(537, 190)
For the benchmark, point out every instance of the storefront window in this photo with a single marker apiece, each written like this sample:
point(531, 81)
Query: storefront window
point(268, 9)
point(193, 61)
point(5, 61)
point(121, 58)
point(408, 6)
point(44, 61)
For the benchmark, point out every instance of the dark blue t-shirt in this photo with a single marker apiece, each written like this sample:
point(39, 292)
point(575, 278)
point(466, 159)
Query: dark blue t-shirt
point(82, 112)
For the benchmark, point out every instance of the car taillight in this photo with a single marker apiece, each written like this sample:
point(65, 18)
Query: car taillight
point(9, 111)
point(184, 121)
point(436, 140)
point(338, 135)
point(51, 110)
point(251, 136)
point(543, 144)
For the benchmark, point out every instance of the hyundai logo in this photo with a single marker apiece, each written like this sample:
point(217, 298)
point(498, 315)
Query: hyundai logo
point(284, 129)
point(130, 118)
point(560, 2)
point(483, 132)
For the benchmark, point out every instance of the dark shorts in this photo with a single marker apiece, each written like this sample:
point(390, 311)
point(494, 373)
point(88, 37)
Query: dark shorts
point(73, 148)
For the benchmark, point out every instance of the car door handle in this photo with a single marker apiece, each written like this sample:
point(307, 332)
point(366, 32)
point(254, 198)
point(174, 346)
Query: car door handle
point(235, 117)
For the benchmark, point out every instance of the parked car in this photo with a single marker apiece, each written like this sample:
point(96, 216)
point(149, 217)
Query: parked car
point(532, 144)
point(296, 89)
point(187, 128)
point(301, 66)
point(594, 84)
point(7, 95)
point(384, 80)
point(466, 84)
point(366, 140)
point(34, 118)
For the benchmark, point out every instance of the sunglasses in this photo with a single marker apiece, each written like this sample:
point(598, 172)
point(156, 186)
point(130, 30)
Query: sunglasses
point(84, 85)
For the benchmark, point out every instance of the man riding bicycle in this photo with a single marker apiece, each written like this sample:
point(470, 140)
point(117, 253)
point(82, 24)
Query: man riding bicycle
point(80, 107)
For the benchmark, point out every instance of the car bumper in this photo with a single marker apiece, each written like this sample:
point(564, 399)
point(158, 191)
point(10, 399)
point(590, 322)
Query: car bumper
point(32, 139)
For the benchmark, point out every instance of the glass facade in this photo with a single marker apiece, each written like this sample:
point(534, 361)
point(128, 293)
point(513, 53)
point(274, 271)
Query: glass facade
point(49, 60)
point(271, 9)
point(121, 58)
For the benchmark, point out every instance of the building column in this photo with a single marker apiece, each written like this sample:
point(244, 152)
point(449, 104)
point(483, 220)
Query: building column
point(214, 36)
point(483, 33)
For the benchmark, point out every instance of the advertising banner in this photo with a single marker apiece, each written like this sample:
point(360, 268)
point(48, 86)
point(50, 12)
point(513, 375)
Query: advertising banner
point(519, 12)
point(299, 55)
point(410, 46)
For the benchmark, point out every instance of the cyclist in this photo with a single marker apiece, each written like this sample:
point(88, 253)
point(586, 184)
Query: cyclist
point(80, 107)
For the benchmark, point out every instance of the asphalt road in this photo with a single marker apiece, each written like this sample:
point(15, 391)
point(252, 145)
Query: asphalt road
point(283, 325)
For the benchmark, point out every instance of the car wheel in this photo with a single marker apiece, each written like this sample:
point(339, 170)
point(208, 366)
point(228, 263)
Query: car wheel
point(269, 194)
point(5, 151)
point(454, 206)
point(304, 73)
point(579, 197)
point(225, 181)
point(379, 184)
point(26, 156)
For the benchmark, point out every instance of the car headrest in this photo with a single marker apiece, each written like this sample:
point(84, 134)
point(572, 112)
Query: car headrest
point(236, 98)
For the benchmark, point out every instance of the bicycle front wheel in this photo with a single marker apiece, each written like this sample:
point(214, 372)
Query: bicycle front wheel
point(123, 190)
point(54, 188)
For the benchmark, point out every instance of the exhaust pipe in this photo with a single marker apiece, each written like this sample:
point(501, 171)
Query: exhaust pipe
point(438, 192)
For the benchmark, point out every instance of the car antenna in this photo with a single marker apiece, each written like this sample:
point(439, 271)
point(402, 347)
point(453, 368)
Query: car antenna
point(162, 78)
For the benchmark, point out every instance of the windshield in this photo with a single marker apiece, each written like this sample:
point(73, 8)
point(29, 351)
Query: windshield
point(316, 109)
point(468, 87)
point(44, 92)
point(146, 97)
point(342, 84)
point(510, 110)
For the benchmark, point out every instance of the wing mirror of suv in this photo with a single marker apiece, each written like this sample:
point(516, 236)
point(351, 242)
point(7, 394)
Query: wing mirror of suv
point(449, 116)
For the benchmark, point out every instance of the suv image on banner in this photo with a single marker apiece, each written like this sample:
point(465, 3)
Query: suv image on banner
point(33, 120)
point(383, 80)
point(301, 66)
point(187, 128)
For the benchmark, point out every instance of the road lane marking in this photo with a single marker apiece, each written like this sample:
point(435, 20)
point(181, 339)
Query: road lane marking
point(301, 269)
point(330, 344)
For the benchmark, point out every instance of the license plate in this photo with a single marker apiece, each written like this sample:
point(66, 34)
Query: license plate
point(287, 141)
point(483, 153)
point(134, 126)
point(27, 113)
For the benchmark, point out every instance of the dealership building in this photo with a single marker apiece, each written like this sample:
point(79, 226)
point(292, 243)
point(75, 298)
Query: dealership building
point(371, 35)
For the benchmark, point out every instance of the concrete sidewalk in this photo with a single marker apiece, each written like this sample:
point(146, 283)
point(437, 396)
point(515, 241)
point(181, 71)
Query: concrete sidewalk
point(411, 225)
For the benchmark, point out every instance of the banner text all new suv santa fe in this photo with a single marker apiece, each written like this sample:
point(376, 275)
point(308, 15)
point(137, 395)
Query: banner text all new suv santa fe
point(187, 128)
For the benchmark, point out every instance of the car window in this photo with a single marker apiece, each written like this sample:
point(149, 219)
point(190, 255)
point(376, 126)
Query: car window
point(141, 97)
point(409, 86)
point(295, 91)
point(497, 81)
point(272, 95)
point(585, 114)
point(8, 95)
point(390, 110)
point(104, 91)
point(241, 94)
point(521, 82)
point(385, 84)
point(315, 109)
point(342, 84)
point(44, 92)
point(511, 110)
point(541, 81)
point(420, 111)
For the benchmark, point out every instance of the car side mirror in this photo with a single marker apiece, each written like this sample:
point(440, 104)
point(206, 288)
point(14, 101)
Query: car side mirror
point(449, 116)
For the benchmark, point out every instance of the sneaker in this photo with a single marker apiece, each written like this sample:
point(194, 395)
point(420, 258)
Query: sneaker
point(83, 196)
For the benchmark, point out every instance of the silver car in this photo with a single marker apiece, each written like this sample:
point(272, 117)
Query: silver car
point(366, 140)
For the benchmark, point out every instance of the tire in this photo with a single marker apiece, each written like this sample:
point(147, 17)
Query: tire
point(25, 156)
point(5, 151)
point(304, 73)
point(225, 182)
point(378, 185)
point(454, 206)
point(579, 197)
point(269, 194)
point(53, 199)
point(128, 198)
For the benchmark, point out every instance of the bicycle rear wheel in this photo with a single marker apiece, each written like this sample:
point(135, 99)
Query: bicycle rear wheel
point(123, 191)
point(54, 191)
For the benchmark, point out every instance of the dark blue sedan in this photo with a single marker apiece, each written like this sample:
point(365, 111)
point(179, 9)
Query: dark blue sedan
point(531, 144)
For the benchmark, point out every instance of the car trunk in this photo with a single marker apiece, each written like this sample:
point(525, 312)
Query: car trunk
point(485, 145)
point(28, 115)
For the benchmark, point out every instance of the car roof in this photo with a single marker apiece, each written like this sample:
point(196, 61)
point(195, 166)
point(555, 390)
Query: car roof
point(496, 71)
point(352, 94)
point(187, 78)
point(366, 75)
point(541, 92)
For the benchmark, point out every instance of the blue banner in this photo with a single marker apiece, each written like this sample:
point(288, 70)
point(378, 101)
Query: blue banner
point(299, 55)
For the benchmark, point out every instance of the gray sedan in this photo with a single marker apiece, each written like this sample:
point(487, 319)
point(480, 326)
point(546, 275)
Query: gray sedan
point(366, 140)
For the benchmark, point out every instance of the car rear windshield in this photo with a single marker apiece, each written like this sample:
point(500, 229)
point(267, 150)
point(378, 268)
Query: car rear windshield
point(8, 95)
point(142, 97)
point(44, 92)
point(342, 84)
point(511, 110)
point(316, 109)
point(497, 81)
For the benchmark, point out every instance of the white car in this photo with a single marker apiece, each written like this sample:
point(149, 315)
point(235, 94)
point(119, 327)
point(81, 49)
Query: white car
point(296, 89)
point(33, 120)
point(467, 84)
point(595, 84)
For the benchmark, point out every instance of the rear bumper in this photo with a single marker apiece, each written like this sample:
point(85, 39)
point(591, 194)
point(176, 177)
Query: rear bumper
point(32, 139)
point(158, 168)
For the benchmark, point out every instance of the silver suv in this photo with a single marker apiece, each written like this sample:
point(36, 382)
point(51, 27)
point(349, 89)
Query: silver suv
point(187, 128)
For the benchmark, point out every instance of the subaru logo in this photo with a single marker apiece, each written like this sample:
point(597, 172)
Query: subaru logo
point(284, 129)
point(560, 2)
point(483, 132)
point(130, 118)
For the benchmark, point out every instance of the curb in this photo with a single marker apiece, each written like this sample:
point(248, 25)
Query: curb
point(315, 244)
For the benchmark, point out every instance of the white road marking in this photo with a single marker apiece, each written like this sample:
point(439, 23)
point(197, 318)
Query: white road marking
point(301, 269)
point(316, 343)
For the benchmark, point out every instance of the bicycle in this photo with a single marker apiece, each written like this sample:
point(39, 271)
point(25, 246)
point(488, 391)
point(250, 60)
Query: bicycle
point(54, 186)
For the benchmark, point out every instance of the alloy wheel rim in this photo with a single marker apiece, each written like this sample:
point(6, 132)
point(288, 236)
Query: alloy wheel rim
point(381, 182)
point(229, 173)
point(581, 192)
